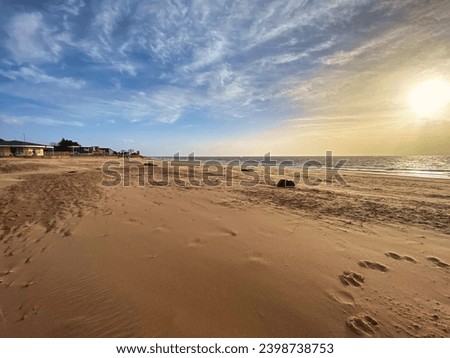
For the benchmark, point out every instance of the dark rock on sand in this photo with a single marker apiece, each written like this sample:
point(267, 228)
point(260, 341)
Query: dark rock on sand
point(285, 183)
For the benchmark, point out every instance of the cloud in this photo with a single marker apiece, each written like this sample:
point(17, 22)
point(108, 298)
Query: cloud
point(41, 121)
point(56, 122)
point(228, 63)
point(71, 7)
point(12, 120)
point(30, 39)
point(35, 75)
point(108, 15)
point(380, 61)
point(165, 105)
point(372, 49)
point(282, 59)
point(214, 50)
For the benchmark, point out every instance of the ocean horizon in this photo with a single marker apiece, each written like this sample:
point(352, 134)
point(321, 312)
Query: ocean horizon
point(429, 166)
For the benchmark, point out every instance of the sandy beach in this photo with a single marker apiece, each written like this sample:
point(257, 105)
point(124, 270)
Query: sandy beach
point(78, 259)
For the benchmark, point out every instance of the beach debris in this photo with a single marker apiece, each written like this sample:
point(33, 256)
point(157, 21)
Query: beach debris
point(285, 183)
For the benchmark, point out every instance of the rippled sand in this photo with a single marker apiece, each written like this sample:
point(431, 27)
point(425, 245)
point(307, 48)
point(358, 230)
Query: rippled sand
point(82, 260)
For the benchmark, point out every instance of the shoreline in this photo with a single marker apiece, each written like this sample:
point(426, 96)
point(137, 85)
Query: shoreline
point(435, 174)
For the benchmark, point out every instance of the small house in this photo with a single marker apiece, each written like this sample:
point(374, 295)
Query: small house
point(21, 149)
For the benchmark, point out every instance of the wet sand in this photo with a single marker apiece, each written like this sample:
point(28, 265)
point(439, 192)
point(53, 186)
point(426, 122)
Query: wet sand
point(77, 259)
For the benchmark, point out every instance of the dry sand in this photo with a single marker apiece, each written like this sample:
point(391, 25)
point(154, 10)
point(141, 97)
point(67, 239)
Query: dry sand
point(81, 260)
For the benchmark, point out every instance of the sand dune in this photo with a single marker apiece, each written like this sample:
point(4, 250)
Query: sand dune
point(80, 260)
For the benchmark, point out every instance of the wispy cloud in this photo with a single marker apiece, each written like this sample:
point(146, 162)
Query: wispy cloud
point(164, 105)
point(35, 75)
point(227, 64)
point(30, 39)
point(12, 120)
point(45, 121)
point(55, 122)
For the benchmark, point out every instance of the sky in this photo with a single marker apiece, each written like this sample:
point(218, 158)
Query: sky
point(225, 77)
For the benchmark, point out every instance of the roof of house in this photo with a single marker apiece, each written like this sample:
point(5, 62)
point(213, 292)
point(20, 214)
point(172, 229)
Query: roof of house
point(18, 143)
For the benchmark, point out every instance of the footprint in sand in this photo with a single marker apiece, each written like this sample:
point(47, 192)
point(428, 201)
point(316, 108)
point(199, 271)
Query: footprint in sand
point(159, 229)
point(362, 324)
point(7, 272)
point(438, 262)
point(223, 231)
point(395, 256)
point(373, 265)
point(195, 243)
point(232, 232)
point(344, 297)
point(27, 315)
point(350, 278)
point(28, 284)
point(65, 232)
point(257, 258)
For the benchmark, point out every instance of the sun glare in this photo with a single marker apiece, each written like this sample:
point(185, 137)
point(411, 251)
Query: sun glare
point(429, 97)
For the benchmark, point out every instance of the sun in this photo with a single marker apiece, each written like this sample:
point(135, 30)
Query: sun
point(427, 98)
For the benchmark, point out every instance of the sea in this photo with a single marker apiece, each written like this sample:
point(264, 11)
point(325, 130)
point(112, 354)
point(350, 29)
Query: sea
point(432, 166)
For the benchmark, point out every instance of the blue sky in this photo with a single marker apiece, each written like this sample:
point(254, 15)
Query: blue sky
point(224, 77)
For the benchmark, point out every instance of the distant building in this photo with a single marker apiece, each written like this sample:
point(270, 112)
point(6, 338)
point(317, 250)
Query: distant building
point(21, 149)
point(93, 150)
point(84, 150)
point(106, 151)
